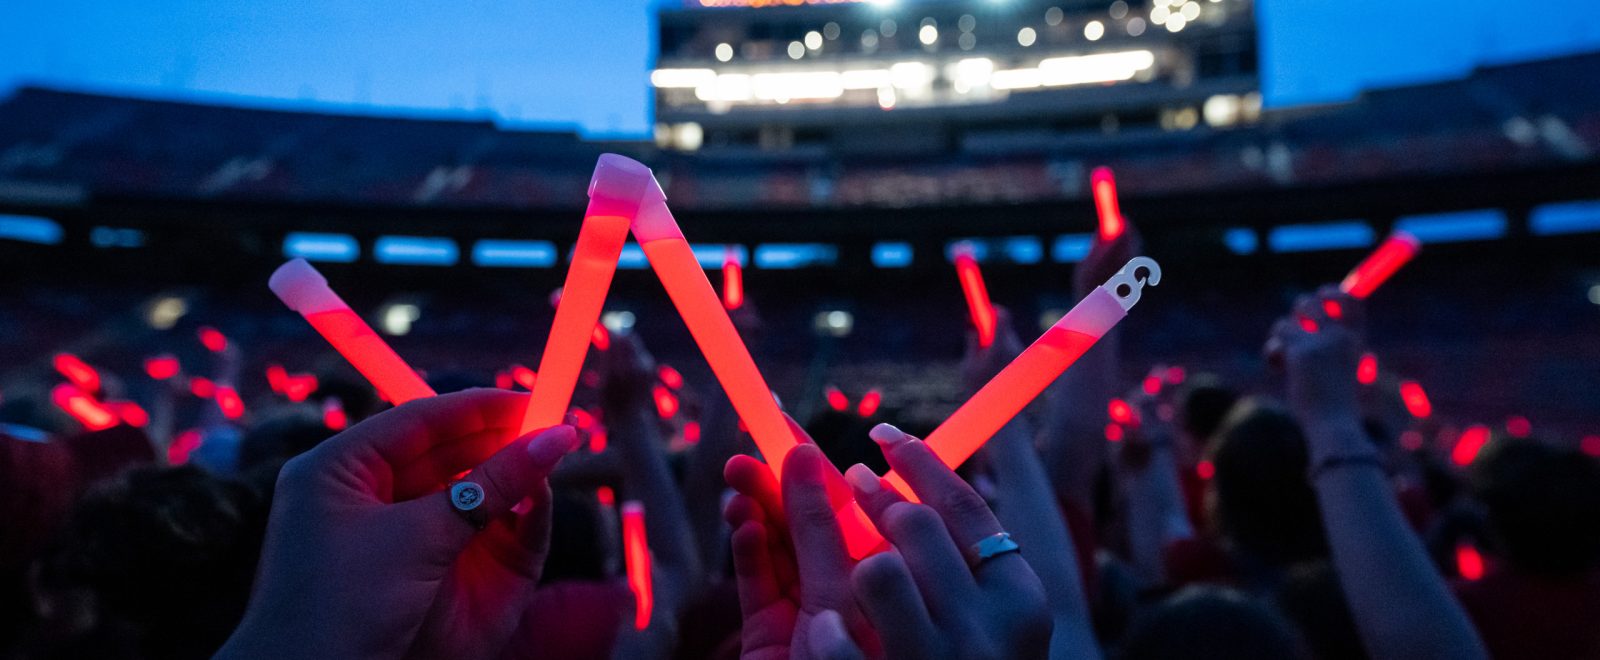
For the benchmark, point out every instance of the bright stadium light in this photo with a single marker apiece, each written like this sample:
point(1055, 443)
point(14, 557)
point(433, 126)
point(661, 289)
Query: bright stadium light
point(724, 52)
point(814, 40)
point(1093, 30)
point(1026, 36)
point(797, 50)
point(685, 78)
point(928, 35)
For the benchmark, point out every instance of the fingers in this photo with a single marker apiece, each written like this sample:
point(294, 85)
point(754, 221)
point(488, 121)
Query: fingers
point(819, 548)
point(921, 537)
point(827, 638)
point(965, 513)
point(752, 478)
point(888, 596)
point(400, 435)
point(752, 560)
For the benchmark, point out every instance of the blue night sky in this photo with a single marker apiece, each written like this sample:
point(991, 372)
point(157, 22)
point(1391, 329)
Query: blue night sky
point(583, 62)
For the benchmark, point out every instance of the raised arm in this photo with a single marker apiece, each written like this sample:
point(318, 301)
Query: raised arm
point(1401, 605)
point(1147, 470)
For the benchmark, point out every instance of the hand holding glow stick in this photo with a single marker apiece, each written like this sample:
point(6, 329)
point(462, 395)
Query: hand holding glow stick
point(636, 555)
point(77, 372)
point(304, 290)
point(1105, 203)
point(617, 189)
point(1003, 397)
point(1376, 269)
point(977, 294)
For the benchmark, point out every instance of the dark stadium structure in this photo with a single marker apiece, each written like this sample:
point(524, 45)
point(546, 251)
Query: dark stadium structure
point(107, 199)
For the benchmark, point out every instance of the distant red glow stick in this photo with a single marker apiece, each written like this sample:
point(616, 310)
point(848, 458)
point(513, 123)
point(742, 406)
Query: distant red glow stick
point(616, 190)
point(182, 446)
point(333, 415)
point(1469, 444)
point(1372, 272)
point(1176, 375)
point(670, 377)
point(524, 376)
point(305, 291)
point(1205, 470)
point(732, 281)
point(212, 339)
point(1590, 444)
point(229, 403)
point(1120, 412)
point(691, 432)
point(1003, 397)
point(161, 367)
point(1416, 399)
point(1152, 385)
point(606, 496)
point(202, 387)
point(1367, 369)
point(1519, 427)
point(636, 554)
point(836, 399)
point(131, 413)
point(869, 403)
point(1114, 432)
point(277, 378)
point(77, 372)
point(1469, 562)
point(1105, 203)
point(666, 401)
point(92, 414)
point(299, 387)
point(597, 439)
point(977, 294)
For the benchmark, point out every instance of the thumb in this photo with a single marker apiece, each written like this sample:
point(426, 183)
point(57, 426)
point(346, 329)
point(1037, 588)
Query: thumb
point(519, 470)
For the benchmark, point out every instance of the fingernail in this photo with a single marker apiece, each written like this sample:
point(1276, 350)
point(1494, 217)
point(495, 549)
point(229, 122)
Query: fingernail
point(551, 444)
point(570, 419)
point(862, 478)
point(887, 436)
point(806, 469)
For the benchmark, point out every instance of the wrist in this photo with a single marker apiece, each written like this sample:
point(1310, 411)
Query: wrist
point(1333, 436)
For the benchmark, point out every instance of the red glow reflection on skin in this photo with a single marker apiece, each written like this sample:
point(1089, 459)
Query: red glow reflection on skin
point(82, 407)
point(666, 401)
point(636, 554)
point(670, 377)
point(229, 403)
point(77, 372)
point(212, 339)
point(1469, 444)
point(1382, 264)
point(1106, 206)
point(1469, 562)
point(869, 403)
point(333, 415)
point(1416, 399)
point(161, 367)
point(836, 399)
point(977, 295)
point(732, 281)
point(1367, 369)
point(395, 380)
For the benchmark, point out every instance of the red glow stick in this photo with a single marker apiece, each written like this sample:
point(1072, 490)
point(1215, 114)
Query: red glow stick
point(606, 496)
point(1114, 432)
point(1152, 385)
point(666, 401)
point(305, 291)
point(670, 377)
point(212, 339)
point(636, 553)
point(1371, 273)
point(229, 403)
point(1105, 203)
point(1519, 427)
point(691, 432)
point(1416, 399)
point(299, 387)
point(732, 281)
point(333, 415)
point(836, 399)
point(869, 403)
point(93, 415)
point(597, 439)
point(524, 376)
point(202, 387)
point(1120, 412)
point(277, 378)
point(1039, 365)
point(77, 372)
point(161, 367)
point(1590, 444)
point(1469, 562)
point(1469, 444)
point(131, 413)
point(182, 446)
point(1367, 369)
point(972, 286)
point(616, 190)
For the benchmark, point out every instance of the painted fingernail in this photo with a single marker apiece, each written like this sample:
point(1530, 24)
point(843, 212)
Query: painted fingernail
point(862, 478)
point(887, 436)
point(807, 468)
point(551, 444)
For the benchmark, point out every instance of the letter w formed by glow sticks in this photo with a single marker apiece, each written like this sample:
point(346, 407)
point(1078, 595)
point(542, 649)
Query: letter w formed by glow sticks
point(306, 291)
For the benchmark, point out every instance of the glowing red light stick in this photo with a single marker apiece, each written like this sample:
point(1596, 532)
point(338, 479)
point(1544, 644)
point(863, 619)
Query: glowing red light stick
point(1416, 399)
point(524, 376)
point(1371, 273)
point(1469, 444)
point(606, 496)
point(131, 413)
point(299, 387)
point(202, 387)
point(1105, 203)
point(161, 367)
point(666, 401)
point(836, 399)
point(212, 339)
point(182, 445)
point(732, 281)
point(77, 372)
point(869, 403)
point(1519, 427)
point(277, 378)
point(1205, 469)
point(1367, 369)
point(1469, 562)
point(983, 316)
point(636, 554)
point(670, 377)
point(93, 415)
point(304, 290)
point(691, 432)
point(1037, 367)
point(1114, 432)
point(333, 415)
point(1152, 385)
point(229, 403)
point(616, 190)
point(1120, 412)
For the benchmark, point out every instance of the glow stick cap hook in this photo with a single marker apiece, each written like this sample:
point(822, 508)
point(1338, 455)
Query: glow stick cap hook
point(302, 288)
point(1128, 284)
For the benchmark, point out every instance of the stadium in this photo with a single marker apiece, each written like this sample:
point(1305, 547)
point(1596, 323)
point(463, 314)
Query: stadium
point(843, 153)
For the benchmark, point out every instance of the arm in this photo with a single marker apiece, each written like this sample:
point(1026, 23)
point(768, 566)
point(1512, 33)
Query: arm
point(1148, 472)
point(720, 440)
point(1401, 605)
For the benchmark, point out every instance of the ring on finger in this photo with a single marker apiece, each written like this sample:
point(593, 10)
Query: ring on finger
point(990, 547)
point(466, 497)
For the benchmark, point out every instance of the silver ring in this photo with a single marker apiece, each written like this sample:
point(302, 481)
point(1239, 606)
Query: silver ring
point(466, 497)
point(990, 547)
